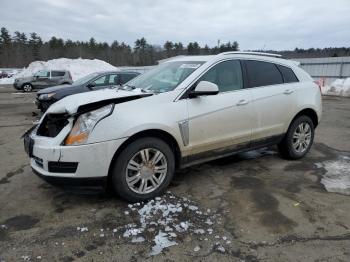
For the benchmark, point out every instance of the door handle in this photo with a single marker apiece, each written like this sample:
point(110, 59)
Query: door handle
point(242, 102)
point(288, 91)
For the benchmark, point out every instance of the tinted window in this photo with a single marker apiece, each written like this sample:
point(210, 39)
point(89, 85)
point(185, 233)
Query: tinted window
point(42, 74)
point(113, 80)
point(262, 73)
point(126, 77)
point(57, 73)
point(288, 74)
point(227, 75)
point(101, 81)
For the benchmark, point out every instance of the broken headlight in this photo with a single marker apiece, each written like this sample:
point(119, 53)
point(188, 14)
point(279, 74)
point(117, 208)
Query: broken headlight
point(86, 123)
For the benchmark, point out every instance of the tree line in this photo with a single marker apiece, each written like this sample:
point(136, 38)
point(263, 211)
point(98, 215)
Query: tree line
point(19, 49)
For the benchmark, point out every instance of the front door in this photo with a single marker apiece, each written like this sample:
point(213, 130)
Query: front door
point(223, 121)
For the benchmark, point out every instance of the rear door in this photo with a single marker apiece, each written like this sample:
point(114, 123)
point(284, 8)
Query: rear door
point(56, 77)
point(221, 122)
point(273, 99)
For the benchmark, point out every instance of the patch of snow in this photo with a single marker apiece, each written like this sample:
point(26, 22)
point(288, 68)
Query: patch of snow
point(221, 248)
point(196, 249)
point(137, 239)
point(161, 242)
point(77, 67)
point(82, 229)
point(25, 258)
point(132, 232)
point(199, 231)
point(337, 176)
point(339, 87)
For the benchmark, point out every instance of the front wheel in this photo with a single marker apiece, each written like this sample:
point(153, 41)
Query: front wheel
point(299, 138)
point(27, 87)
point(143, 169)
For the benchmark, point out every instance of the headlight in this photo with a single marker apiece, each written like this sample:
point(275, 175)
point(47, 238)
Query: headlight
point(85, 124)
point(46, 96)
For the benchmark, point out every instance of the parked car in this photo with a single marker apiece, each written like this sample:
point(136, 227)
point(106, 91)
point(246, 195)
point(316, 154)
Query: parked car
point(3, 74)
point(185, 111)
point(43, 79)
point(91, 82)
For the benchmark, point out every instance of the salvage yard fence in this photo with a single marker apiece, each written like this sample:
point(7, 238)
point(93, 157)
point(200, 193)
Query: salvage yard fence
point(326, 69)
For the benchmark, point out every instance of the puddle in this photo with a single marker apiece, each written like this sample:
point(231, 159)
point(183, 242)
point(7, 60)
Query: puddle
point(337, 175)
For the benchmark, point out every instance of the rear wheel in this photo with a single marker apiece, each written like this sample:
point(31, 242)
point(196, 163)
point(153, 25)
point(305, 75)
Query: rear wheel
point(299, 138)
point(143, 169)
point(27, 87)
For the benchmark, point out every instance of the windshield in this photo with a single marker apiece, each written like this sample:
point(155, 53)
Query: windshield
point(165, 77)
point(85, 79)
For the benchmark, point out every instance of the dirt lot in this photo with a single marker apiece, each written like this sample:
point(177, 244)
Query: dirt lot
point(251, 207)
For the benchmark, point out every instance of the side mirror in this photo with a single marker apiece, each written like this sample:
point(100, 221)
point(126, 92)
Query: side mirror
point(204, 88)
point(91, 85)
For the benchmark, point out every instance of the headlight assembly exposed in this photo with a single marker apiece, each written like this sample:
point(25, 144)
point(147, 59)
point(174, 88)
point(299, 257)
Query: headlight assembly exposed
point(46, 96)
point(85, 124)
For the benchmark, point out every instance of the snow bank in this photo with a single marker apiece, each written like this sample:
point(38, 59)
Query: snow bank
point(337, 176)
point(340, 87)
point(77, 67)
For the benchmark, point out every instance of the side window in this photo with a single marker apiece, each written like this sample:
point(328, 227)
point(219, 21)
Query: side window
point(101, 81)
point(57, 73)
point(262, 73)
point(227, 75)
point(288, 74)
point(126, 78)
point(113, 80)
point(43, 74)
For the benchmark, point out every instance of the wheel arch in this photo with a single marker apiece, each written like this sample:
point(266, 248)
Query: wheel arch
point(307, 112)
point(156, 133)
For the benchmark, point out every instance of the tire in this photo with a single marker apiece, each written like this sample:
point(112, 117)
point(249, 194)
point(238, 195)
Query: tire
point(292, 148)
point(27, 87)
point(125, 172)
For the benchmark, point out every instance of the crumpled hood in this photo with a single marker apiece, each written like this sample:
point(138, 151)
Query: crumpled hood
point(70, 104)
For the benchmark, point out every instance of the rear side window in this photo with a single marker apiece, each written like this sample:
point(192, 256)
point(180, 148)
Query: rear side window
point(124, 78)
point(57, 73)
point(288, 74)
point(262, 74)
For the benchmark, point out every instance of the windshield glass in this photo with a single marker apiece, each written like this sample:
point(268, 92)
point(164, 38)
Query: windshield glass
point(165, 77)
point(85, 79)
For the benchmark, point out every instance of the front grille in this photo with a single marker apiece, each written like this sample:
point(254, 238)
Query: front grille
point(62, 167)
point(52, 124)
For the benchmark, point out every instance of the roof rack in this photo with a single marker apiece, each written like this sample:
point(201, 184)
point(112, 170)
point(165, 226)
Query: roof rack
point(249, 53)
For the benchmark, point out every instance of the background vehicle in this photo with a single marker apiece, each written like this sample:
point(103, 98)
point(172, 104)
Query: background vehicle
point(43, 79)
point(3, 74)
point(91, 82)
point(186, 111)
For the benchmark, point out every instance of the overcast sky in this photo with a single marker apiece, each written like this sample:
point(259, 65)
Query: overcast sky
point(255, 24)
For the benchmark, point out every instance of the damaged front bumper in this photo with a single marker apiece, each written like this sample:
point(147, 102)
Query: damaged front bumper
point(75, 165)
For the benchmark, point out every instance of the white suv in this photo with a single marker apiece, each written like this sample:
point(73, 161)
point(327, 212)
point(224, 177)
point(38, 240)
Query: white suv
point(185, 111)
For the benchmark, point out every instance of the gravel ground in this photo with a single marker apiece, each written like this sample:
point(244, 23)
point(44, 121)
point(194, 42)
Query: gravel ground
point(253, 206)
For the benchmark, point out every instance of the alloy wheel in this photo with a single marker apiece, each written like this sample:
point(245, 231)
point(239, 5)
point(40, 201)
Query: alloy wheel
point(146, 170)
